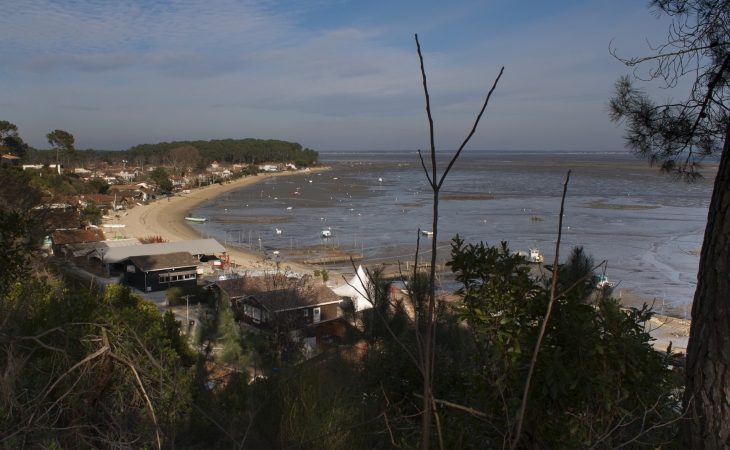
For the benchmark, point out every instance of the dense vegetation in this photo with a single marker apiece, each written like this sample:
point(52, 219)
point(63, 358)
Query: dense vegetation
point(177, 153)
point(246, 151)
point(225, 151)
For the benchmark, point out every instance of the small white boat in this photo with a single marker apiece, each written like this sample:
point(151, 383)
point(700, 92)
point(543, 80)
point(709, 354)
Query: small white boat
point(289, 208)
point(603, 282)
point(380, 180)
point(195, 219)
point(326, 233)
point(427, 233)
point(278, 231)
point(276, 253)
point(296, 192)
point(535, 256)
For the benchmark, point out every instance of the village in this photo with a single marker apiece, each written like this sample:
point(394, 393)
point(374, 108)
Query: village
point(182, 274)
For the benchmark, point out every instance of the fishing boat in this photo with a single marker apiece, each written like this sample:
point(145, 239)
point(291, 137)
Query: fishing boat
point(427, 233)
point(326, 233)
point(195, 219)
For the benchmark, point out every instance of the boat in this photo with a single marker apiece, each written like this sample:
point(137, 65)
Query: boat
point(278, 231)
point(380, 179)
point(427, 233)
point(603, 282)
point(195, 219)
point(535, 256)
point(289, 208)
point(296, 192)
point(352, 209)
point(326, 233)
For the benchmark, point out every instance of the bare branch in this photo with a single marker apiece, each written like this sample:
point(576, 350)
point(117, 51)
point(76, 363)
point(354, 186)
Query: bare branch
point(545, 320)
point(473, 129)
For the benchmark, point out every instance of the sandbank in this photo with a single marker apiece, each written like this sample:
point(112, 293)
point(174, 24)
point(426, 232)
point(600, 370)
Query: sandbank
point(165, 218)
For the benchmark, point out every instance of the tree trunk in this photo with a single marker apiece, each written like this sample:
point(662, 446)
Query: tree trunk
point(706, 400)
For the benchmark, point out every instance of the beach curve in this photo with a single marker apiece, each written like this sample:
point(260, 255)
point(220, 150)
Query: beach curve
point(165, 218)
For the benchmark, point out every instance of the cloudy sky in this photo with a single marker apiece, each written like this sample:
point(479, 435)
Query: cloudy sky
point(329, 74)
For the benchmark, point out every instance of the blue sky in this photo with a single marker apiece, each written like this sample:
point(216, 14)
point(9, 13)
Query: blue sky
point(329, 74)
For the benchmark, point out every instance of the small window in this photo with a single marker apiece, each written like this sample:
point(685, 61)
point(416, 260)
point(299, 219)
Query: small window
point(163, 279)
point(306, 312)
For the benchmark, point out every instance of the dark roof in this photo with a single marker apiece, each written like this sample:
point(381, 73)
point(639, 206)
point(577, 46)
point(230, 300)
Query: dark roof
point(148, 263)
point(124, 193)
point(245, 286)
point(286, 295)
point(77, 236)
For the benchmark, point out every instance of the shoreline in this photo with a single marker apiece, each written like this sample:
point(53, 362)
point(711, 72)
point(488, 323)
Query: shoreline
point(166, 219)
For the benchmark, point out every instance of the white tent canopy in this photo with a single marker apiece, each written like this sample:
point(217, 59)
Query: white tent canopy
point(355, 289)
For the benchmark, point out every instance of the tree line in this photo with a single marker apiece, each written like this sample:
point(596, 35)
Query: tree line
point(190, 153)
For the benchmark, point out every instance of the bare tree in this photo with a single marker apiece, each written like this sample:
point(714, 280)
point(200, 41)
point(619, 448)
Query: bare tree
point(436, 183)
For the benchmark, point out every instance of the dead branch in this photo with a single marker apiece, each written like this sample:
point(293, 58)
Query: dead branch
point(521, 419)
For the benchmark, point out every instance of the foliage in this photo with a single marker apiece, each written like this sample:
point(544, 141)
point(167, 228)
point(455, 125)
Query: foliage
point(678, 135)
point(10, 140)
point(252, 151)
point(619, 389)
point(161, 178)
point(92, 213)
point(199, 294)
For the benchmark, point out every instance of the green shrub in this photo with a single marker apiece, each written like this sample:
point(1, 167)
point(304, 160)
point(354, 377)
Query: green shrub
point(175, 295)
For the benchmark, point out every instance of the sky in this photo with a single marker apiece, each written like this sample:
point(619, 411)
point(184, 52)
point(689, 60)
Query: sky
point(330, 74)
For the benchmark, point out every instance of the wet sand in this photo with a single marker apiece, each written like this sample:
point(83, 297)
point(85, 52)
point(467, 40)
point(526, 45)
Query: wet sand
point(165, 218)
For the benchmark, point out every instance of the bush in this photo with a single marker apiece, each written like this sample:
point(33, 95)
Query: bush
point(175, 296)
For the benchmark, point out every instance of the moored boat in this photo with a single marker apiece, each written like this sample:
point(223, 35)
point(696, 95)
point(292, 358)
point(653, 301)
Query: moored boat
point(195, 219)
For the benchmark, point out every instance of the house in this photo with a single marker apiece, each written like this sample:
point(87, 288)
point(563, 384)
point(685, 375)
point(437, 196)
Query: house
point(152, 273)
point(147, 194)
point(100, 200)
point(221, 174)
point(11, 160)
point(292, 305)
point(116, 258)
point(270, 167)
point(61, 238)
point(33, 166)
point(177, 181)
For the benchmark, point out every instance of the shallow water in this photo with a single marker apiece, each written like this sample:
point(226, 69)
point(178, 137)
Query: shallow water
point(651, 251)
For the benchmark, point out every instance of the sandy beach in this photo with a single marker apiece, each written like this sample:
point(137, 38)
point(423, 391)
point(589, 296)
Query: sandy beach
point(166, 218)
